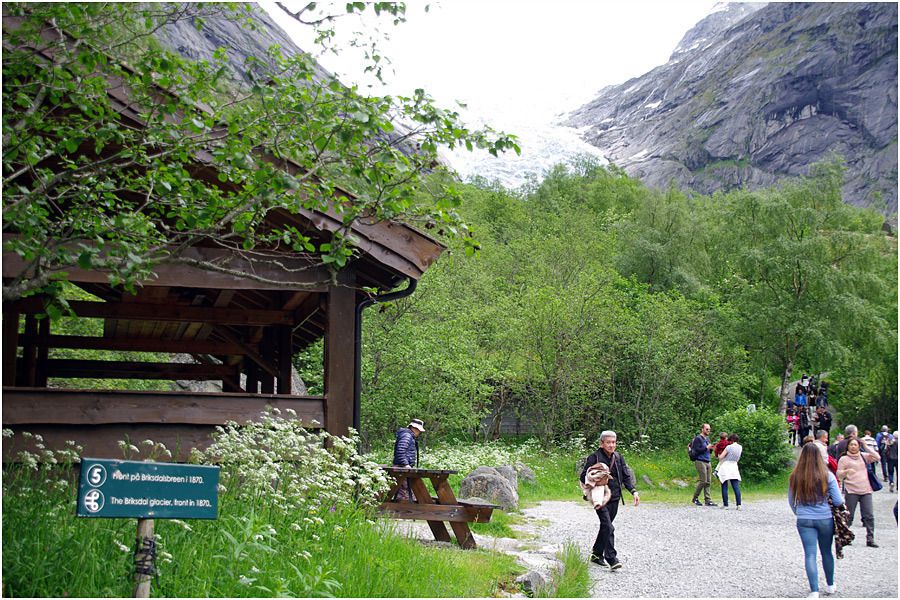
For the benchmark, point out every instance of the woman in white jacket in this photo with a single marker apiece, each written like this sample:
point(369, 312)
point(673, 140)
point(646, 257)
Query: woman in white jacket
point(728, 470)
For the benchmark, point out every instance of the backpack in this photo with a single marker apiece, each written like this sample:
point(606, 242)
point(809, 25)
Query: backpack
point(690, 450)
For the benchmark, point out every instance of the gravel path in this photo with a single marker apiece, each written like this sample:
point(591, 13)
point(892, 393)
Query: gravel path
point(688, 551)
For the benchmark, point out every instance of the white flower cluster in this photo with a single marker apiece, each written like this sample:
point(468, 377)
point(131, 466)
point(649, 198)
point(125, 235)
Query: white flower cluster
point(276, 459)
point(467, 457)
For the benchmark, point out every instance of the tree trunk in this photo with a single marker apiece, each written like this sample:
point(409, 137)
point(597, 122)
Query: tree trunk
point(786, 383)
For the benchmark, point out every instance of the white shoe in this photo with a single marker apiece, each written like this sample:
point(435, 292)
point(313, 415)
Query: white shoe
point(738, 507)
point(813, 595)
point(830, 589)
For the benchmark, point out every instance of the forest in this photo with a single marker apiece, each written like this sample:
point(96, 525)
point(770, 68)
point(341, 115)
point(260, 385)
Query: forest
point(595, 302)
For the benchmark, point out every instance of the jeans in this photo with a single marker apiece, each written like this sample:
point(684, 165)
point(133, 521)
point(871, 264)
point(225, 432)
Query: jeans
point(865, 507)
point(892, 470)
point(604, 545)
point(813, 531)
point(736, 486)
point(703, 476)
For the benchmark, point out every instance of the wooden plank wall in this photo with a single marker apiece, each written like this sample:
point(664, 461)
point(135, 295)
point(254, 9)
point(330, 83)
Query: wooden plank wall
point(99, 419)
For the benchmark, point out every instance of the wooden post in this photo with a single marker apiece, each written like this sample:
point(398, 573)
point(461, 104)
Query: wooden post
point(268, 351)
point(144, 558)
point(29, 361)
point(285, 364)
point(251, 370)
point(10, 345)
point(43, 352)
point(339, 354)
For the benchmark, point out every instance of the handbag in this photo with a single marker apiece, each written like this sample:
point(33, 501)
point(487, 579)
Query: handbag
point(843, 536)
point(873, 481)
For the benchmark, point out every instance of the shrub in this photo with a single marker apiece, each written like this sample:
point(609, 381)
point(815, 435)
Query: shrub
point(762, 434)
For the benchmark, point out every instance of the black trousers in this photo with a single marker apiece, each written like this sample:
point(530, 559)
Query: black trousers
point(604, 545)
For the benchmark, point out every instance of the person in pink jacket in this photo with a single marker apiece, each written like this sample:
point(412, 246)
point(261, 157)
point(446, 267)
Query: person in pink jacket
point(852, 471)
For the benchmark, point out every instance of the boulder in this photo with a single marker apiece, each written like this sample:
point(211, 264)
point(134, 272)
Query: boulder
point(680, 483)
point(531, 582)
point(647, 480)
point(510, 475)
point(525, 473)
point(487, 483)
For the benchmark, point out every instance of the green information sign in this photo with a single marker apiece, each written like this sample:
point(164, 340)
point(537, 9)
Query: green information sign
point(147, 490)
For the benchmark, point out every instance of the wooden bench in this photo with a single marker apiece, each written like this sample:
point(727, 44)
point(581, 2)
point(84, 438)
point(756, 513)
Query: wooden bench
point(435, 510)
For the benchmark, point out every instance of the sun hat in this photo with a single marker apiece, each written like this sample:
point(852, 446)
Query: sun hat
point(418, 424)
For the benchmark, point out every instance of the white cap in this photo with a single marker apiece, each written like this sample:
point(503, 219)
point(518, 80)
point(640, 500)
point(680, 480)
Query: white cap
point(418, 424)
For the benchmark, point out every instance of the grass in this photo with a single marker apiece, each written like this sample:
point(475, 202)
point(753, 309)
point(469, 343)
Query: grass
point(571, 579)
point(253, 550)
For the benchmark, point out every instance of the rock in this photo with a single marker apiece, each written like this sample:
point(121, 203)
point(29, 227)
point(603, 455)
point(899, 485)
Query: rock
point(298, 387)
point(647, 480)
point(680, 483)
point(757, 92)
point(663, 486)
point(510, 475)
point(525, 473)
point(487, 483)
point(531, 582)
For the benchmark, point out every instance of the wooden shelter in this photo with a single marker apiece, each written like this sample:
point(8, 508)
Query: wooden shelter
point(241, 331)
point(251, 329)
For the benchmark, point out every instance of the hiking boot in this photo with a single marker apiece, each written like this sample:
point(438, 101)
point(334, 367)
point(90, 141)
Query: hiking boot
point(598, 561)
point(696, 502)
point(871, 544)
point(710, 503)
point(614, 564)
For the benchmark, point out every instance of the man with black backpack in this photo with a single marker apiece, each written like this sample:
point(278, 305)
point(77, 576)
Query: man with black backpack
point(604, 552)
point(698, 451)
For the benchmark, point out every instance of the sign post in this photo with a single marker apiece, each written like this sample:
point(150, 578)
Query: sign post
point(146, 491)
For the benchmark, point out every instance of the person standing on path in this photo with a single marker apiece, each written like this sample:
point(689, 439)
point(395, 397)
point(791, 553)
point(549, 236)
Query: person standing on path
point(699, 450)
point(604, 551)
point(880, 437)
point(852, 470)
point(406, 453)
point(809, 488)
point(890, 451)
point(728, 470)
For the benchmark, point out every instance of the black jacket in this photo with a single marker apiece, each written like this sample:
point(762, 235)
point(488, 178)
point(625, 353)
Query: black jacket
point(621, 474)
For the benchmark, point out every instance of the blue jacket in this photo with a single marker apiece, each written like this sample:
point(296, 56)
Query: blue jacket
point(406, 448)
point(820, 510)
point(699, 447)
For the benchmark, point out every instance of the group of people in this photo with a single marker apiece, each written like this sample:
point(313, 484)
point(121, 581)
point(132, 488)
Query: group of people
point(727, 451)
point(807, 412)
point(838, 475)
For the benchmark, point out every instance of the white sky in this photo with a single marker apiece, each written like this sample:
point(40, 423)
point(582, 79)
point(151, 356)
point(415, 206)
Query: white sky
point(519, 61)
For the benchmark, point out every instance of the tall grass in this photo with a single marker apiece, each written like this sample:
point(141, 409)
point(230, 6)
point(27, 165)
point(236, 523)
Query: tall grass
point(571, 579)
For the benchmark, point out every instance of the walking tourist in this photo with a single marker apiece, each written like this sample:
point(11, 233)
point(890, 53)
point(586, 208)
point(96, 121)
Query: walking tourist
point(406, 453)
point(833, 449)
point(879, 443)
point(728, 470)
point(853, 473)
point(890, 449)
point(809, 489)
point(699, 451)
point(603, 552)
point(793, 425)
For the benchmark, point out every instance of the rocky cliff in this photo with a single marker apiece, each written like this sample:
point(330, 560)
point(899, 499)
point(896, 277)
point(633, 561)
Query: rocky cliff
point(757, 92)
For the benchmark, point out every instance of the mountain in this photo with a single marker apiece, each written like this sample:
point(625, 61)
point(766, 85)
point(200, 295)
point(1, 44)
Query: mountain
point(757, 92)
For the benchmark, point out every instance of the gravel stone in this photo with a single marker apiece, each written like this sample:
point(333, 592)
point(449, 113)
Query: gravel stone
point(689, 552)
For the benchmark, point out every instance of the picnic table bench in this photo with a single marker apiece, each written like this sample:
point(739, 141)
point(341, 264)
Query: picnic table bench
point(436, 510)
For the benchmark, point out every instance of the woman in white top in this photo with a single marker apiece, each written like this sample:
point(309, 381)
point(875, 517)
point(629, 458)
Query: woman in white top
point(728, 470)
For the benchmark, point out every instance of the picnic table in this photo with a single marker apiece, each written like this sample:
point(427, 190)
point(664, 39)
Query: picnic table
point(436, 510)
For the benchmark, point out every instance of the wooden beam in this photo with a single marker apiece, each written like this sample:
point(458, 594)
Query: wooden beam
point(267, 379)
point(248, 350)
point(284, 270)
point(82, 342)
point(169, 312)
point(339, 354)
point(109, 369)
point(10, 345)
point(23, 406)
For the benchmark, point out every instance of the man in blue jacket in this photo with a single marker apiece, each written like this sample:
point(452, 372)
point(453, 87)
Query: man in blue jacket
point(406, 453)
point(699, 450)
